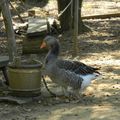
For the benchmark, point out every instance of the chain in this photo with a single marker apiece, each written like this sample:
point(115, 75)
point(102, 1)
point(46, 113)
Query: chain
point(53, 94)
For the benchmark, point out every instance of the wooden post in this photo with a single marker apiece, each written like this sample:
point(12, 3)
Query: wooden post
point(75, 29)
point(9, 29)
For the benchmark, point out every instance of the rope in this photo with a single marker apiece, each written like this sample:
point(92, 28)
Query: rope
point(65, 8)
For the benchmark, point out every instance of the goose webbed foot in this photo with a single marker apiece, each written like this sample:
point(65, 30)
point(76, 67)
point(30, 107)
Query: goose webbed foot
point(76, 95)
point(72, 94)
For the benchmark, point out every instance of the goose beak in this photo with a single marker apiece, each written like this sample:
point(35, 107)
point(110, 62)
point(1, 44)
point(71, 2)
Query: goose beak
point(43, 45)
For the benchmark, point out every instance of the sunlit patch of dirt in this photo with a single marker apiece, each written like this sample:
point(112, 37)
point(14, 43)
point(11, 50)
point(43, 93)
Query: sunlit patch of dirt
point(99, 48)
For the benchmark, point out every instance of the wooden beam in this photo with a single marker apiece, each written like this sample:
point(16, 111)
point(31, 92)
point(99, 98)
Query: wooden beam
point(9, 29)
point(104, 16)
point(75, 29)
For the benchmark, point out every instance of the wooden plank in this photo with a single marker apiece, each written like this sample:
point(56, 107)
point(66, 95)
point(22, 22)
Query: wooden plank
point(101, 16)
point(17, 100)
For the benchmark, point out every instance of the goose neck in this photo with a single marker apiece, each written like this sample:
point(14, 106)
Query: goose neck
point(55, 49)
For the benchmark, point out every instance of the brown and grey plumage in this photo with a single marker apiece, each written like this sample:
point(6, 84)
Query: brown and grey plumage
point(67, 73)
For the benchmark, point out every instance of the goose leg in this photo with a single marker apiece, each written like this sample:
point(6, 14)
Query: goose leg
point(77, 95)
point(64, 93)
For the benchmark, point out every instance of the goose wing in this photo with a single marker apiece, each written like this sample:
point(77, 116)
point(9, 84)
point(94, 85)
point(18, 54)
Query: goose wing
point(77, 67)
point(68, 78)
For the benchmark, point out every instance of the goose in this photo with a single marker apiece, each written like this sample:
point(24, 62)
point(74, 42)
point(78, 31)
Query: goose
point(66, 73)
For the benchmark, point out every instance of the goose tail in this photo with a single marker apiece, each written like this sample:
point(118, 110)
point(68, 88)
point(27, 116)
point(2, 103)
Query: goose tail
point(88, 78)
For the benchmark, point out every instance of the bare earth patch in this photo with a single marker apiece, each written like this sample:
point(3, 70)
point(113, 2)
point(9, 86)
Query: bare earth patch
point(100, 48)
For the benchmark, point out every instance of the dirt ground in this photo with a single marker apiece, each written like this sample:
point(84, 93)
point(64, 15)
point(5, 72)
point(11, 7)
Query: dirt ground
point(100, 48)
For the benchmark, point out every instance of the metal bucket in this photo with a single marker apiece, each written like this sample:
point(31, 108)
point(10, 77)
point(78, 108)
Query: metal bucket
point(25, 78)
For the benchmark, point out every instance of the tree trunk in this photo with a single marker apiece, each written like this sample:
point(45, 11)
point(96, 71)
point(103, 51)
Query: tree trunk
point(81, 26)
point(75, 29)
point(67, 18)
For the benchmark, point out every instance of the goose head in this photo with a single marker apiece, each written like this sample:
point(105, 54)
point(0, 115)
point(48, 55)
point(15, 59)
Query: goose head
point(53, 44)
point(49, 41)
